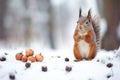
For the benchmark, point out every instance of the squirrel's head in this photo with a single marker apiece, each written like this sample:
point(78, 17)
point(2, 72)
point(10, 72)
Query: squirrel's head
point(84, 24)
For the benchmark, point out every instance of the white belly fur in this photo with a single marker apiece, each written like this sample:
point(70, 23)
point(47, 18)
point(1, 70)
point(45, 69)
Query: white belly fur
point(84, 48)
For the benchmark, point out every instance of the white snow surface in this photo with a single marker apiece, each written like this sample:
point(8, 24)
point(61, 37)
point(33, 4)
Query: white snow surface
point(95, 69)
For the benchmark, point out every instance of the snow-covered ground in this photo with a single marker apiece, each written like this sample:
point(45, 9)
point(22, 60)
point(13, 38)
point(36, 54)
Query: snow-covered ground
point(105, 66)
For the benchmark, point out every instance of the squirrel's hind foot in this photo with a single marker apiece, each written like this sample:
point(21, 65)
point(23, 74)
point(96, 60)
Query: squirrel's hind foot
point(77, 60)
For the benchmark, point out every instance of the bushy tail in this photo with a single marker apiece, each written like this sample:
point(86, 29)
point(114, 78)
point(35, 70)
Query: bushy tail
point(96, 27)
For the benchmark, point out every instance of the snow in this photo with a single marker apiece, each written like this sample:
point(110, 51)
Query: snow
point(95, 69)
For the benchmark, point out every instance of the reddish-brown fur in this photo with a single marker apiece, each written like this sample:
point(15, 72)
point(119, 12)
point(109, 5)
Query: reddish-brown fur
point(89, 37)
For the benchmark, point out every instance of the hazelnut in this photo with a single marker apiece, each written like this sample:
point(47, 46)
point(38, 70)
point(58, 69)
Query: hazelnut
point(12, 76)
point(31, 58)
point(3, 58)
point(24, 58)
point(29, 52)
point(39, 57)
point(108, 76)
point(109, 65)
point(67, 59)
point(27, 65)
point(44, 68)
point(68, 69)
point(18, 56)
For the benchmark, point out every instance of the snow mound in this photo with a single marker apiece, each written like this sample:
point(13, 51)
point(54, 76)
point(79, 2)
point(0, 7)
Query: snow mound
point(60, 65)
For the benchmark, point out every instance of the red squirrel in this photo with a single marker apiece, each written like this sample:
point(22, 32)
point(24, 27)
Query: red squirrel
point(86, 37)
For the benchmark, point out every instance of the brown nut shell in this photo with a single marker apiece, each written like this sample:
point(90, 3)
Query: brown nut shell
point(39, 57)
point(29, 52)
point(32, 59)
point(19, 56)
point(24, 58)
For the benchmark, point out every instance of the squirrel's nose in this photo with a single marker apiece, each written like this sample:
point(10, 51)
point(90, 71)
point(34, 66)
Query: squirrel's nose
point(80, 27)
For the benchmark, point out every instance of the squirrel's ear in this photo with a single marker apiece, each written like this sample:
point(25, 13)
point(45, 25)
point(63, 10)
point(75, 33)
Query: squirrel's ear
point(89, 14)
point(80, 11)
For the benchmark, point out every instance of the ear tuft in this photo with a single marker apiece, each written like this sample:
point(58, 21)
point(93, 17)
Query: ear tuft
point(80, 12)
point(89, 14)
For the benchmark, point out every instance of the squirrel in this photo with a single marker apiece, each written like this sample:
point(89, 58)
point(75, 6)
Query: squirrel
point(86, 37)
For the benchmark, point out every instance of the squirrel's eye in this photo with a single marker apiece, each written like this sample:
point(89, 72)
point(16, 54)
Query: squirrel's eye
point(87, 22)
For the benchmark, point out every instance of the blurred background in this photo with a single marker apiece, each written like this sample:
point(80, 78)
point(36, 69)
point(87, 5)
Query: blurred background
point(51, 23)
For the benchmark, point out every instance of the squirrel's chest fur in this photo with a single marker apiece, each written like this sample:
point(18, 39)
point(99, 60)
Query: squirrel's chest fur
point(84, 48)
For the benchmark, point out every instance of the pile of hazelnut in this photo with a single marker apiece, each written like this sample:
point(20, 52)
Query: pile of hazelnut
point(29, 56)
